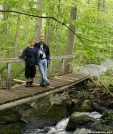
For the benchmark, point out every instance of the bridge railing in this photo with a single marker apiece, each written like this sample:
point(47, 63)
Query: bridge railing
point(56, 66)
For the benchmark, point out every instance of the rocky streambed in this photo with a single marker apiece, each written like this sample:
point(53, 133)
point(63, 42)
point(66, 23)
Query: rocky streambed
point(78, 104)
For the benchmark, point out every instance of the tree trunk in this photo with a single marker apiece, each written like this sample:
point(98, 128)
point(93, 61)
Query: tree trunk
point(38, 21)
point(25, 27)
point(104, 6)
point(50, 28)
point(9, 40)
point(71, 36)
point(17, 36)
point(57, 32)
point(5, 18)
point(99, 5)
point(48, 31)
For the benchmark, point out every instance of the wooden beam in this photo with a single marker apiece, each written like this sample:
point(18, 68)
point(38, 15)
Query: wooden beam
point(8, 75)
point(5, 67)
point(50, 68)
point(18, 73)
point(63, 62)
point(20, 81)
point(10, 60)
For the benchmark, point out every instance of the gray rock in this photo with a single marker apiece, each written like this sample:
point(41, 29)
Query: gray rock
point(79, 119)
point(55, 99)
point(98, 126)
point(86, 102)
point(82, 131)
point(97, 108)
point(92, 69)
point(108, 63)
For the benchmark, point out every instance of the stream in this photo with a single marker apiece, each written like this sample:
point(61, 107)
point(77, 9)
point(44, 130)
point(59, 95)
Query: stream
point(59, 128)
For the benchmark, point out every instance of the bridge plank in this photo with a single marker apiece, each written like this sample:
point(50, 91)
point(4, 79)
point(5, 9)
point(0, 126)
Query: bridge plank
point(21, 94)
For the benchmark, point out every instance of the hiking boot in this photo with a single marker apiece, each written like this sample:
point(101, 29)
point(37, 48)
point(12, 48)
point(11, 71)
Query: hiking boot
point(30, 84)
point(47, 84)
point(42, 85)
point(27, 84)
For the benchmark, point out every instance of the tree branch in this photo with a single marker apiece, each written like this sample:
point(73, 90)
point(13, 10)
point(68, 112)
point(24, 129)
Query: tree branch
point(45, 17)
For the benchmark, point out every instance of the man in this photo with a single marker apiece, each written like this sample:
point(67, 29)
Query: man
point(31, 59)
point(44, 55)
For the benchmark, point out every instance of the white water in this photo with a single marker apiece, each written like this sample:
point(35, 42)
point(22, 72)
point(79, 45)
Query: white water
point(60, 127)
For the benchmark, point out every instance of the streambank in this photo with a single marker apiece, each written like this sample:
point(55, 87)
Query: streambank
point(87, 108)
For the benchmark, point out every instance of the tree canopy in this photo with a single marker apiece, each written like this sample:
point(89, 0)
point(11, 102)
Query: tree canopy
point(91, 27)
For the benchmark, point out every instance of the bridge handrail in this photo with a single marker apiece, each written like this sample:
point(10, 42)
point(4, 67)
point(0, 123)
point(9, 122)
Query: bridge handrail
point(11, 60)
point(8, 62)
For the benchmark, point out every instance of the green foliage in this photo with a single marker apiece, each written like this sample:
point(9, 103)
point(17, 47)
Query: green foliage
point(93, 26)
point(106, 117)
point(106, 78)
point(84, 96)
point(9, 116)
point(10, 129)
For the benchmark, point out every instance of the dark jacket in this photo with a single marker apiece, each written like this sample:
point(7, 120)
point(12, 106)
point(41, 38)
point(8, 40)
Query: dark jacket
point(45, 49)
point(30, 55)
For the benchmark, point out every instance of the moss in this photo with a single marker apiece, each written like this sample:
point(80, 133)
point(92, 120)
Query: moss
point(55, 112)
point(107, 117)
point(85, 109)
point(25, 106)
point(9, 115)
point(10, 129)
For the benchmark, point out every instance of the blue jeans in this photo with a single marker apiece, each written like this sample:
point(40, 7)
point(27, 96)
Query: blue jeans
point(43, 70)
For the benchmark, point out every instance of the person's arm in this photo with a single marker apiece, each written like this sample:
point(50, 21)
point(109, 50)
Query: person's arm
point(36, 58)
point(48, 53)
point(23, 54)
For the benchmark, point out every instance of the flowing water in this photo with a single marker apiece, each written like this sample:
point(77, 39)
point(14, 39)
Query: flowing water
point(59, 128)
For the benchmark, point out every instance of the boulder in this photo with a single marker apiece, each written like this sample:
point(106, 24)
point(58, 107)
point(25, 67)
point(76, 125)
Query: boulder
point(81, 131)
point(97, 108)
point(79, 119)
point(10, 121)
point(45, 116)
point(86, 102)
point(108, 63)
point(92, 69)
point(111, 105)
point(107, 116)
point(55, 99)
point(9, 116)
point(99, 126)
point(86, 107)
point(10, 128)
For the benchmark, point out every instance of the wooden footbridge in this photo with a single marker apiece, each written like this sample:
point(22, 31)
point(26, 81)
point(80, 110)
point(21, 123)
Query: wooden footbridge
point(11, 97)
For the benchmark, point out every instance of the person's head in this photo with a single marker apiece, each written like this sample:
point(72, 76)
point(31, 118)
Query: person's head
point(31, 42)
point(41, 39)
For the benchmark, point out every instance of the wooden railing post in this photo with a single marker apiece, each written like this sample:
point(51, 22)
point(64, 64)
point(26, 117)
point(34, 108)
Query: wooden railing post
point(8, 75)
point(63, 62)
point(72, 64)
point(50, 68)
